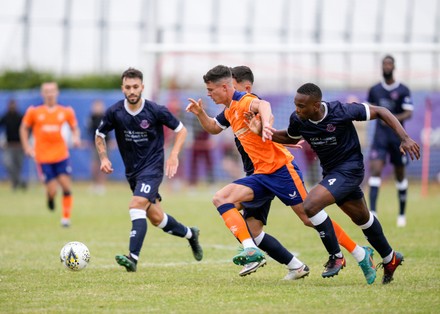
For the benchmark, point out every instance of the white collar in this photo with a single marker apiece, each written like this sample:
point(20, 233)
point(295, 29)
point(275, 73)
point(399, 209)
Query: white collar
point(389, 87)
point(133, 113)
point(325, 113)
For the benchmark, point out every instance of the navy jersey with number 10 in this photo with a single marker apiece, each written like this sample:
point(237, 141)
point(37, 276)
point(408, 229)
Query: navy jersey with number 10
point(140, 135)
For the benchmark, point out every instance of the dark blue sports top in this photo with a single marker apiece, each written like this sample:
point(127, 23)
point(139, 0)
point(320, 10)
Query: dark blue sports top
point(395, 97)
point(334, 137)
point(140, 136)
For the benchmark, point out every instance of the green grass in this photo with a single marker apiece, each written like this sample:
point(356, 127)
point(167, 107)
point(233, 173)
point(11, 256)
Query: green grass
point(169, 280)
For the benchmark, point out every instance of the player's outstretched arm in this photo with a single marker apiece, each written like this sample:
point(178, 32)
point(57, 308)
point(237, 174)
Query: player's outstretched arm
point(408, 145)
point(207, 122)
point(280, 136)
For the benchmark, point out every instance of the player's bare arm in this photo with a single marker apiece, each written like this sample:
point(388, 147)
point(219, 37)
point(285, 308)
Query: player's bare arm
point(76, 136)
point(265, 111)
point(172, 162)
point(207, 122)
point(280, 136)
point(407, 144)
point(101, 148)
point(24, 138)
point(405, 115)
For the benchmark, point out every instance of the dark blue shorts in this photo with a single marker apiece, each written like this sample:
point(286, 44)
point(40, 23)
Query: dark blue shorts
point(384, 147)
point(52, 170)
point(286, 183)
point(257, 209)
point(344, 185)
point(146, 187)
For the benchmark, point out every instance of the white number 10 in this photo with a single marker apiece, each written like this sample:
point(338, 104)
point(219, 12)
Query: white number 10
point(145, 188)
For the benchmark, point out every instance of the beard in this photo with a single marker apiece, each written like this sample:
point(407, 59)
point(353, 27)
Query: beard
point(387, 75)
point(132, 102)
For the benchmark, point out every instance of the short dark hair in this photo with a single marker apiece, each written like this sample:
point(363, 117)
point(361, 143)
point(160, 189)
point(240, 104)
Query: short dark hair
point(217, 73)
point(310, 89)
point(388, 57)
point(132, 73)
point(242, 73)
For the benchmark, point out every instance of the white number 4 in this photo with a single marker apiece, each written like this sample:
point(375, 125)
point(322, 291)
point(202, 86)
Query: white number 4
point(331, 181)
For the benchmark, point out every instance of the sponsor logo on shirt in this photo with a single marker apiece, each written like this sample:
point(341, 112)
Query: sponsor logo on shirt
point(144, 124)
point(331, 128)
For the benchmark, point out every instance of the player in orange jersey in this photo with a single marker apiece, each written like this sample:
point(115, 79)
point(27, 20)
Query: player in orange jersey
point(50, 151)
point(275, 172)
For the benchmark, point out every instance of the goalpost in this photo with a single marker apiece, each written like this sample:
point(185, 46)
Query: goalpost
point(345, 65)
point(278, 67)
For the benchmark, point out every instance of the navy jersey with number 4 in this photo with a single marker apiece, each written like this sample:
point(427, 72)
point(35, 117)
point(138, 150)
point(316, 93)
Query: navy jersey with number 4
point(140, 136)
point(396, 98)
point(334, 137)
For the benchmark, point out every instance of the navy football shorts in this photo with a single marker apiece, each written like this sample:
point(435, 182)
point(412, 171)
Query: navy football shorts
point(344, 185)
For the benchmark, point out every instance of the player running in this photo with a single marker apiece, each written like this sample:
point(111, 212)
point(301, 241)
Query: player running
point(328, 128)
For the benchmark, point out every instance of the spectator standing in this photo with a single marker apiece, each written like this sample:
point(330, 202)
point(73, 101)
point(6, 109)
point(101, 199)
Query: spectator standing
point(13, 153)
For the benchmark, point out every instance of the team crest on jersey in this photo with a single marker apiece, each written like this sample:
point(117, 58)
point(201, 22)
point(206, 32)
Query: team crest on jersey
point(331, 128)
point(394, 95)
point(144, 124)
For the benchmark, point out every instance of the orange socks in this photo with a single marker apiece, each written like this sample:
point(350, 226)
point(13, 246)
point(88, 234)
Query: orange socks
point(67, 206)
point(235, 222)
point(343, 238)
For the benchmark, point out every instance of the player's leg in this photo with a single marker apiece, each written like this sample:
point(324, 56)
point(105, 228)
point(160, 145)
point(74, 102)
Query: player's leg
point(227, 201)
point(170, 225)
point(335, 187)
point(67, 202)
point(375, 181)
point(145, 191)
point(51, 191)
point(63, 172)
point(359, 253)
point(357, 210)
point(296, 268)
point(48, 174)
point(343, 186)
point(362, 255)
point(255, 227)
point(288, 185)
point(138, 217)
point(400, 161)
point(317, 199)
point(402, 190)
point(312, 205)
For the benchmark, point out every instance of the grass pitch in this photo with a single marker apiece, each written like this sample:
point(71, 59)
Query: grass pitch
point(169, 280)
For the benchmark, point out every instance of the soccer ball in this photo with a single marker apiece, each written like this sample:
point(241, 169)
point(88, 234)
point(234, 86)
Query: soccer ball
point(75, 256)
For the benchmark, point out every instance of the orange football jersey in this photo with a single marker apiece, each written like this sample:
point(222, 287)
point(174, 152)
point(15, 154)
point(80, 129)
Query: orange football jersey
point(267, 156)
point(46, 124)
